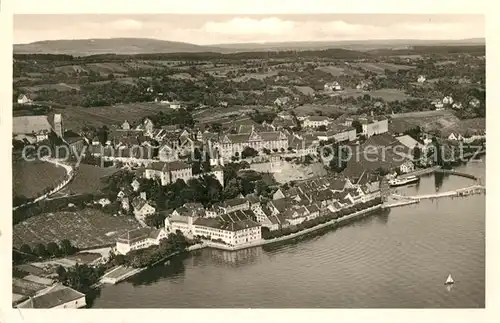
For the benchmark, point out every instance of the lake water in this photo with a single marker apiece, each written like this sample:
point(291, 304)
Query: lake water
point(394, 259)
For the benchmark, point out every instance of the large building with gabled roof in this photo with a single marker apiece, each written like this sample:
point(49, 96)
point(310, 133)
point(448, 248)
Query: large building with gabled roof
point(233, 144)
point(233, 229)
point(55, 296)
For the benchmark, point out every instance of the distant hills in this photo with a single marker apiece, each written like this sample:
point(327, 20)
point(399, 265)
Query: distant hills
point(84, 47)
point(360, 45)
point(130, 46)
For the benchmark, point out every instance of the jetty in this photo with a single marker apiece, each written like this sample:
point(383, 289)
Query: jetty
point(119, 274)
point(421, 172)
point(454, 172)
point(398, 203)
point(466, 191)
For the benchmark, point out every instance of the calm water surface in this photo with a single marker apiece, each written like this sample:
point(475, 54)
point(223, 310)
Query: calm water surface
point(398, 258)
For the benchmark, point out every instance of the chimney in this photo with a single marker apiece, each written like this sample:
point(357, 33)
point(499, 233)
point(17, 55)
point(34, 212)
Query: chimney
point(143, 195)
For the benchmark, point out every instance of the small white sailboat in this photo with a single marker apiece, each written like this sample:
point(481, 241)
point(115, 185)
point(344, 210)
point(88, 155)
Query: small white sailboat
point(449, 280)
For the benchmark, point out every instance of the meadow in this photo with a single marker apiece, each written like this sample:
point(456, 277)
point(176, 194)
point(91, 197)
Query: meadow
point(385, 94)
point(88, 179)
point(379, 68)
point(31, 178)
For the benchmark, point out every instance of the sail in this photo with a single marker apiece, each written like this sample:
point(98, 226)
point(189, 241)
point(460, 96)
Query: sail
point(449, 280)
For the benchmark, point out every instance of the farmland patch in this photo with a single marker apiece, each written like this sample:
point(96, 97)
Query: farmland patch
point(380, 67)
point(88, 179)
point(84, 228)
point(31, 178)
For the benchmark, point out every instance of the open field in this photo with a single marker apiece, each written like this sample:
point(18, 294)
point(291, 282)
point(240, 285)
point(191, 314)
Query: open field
point(337, 71)
point(70, 69)
point(77, 117)
point(460, 126)
point(385, 94)
point(306, 90)
point(181, 76)
point(88, 179)
point(380, 67)
point(443, 121)
point(284, 172)
point(59, 87)
point(258, 76)
point(308, 109)
point(428, 120)
point(104, 68)
point(444, 63)
point(84, 228)
point(423, 114)
point(31, 178)
point(220, 113)
point(333, 70)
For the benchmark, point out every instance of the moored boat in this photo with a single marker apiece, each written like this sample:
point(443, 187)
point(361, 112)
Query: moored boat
point(403, 181)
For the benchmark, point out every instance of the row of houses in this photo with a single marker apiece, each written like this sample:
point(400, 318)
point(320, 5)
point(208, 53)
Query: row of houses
point(385, 152)
point(240, 221)
point(144, 144)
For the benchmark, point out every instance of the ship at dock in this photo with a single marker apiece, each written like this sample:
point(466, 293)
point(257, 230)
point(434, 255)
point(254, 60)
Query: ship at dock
point(403, 181)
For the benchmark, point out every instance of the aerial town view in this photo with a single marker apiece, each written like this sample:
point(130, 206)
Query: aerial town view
point(239, 161)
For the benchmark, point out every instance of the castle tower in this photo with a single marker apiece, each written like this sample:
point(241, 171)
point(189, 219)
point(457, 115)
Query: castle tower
point(58, 125)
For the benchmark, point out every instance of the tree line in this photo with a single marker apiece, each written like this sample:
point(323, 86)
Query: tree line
point(44, 251)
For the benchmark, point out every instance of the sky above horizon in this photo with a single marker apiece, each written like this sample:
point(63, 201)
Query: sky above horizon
point(239, 28)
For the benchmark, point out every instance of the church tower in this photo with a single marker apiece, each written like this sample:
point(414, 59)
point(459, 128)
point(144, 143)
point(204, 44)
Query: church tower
point(58, 125)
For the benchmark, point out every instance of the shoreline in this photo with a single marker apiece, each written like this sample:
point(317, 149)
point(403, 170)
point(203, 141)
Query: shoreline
point(404, 201)
point(129, 271)
point(262, 242)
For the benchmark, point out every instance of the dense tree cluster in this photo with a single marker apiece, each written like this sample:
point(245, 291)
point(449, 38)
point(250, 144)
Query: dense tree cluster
point(80, 277)
point(175, 243)
point(44, 251)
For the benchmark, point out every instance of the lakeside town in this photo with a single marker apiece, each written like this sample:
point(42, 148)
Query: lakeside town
point(121, 162)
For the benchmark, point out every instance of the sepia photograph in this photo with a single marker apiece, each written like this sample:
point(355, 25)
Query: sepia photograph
point(248, 161)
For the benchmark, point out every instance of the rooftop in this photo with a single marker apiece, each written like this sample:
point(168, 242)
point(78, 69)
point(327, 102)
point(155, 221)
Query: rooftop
point(318, 118)
point(55, 296)
point(233, 221)
point(135, 235)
